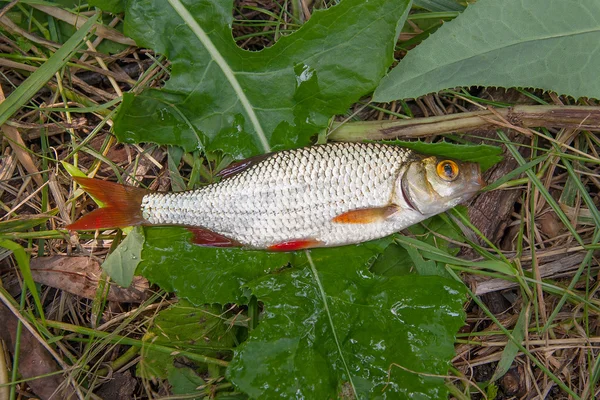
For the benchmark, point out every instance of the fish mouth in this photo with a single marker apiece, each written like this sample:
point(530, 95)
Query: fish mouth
point(481, 182)
point(477, 184)
point(478, 179)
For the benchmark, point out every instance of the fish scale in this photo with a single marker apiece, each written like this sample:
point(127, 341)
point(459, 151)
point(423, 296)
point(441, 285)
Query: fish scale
point(294, 195)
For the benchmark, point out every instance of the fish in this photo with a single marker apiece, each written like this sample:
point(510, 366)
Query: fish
point(326, 195)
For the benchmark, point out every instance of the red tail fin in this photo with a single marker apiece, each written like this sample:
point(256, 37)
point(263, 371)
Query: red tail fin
point(122, 205)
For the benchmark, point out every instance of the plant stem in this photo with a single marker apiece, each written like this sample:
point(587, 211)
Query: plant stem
point(573, 117)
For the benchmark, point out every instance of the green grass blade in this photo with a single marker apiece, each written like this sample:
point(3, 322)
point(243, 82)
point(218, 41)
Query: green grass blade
point(511, 350)
point(43, 74)
point(23, 262)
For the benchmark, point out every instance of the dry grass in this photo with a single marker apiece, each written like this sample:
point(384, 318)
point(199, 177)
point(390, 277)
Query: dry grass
point(560, 338)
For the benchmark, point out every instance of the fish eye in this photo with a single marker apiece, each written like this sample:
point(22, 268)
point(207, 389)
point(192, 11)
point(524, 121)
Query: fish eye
point(447, 170)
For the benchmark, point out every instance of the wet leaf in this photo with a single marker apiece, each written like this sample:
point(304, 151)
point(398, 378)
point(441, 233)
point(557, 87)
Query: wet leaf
point(121, 264)
point(368, 316)
point(546, 44)
point(203, 274)
point(377, 321)
point(220, 97)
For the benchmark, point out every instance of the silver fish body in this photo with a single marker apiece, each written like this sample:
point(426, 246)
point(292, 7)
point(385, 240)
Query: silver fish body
point(300, 194)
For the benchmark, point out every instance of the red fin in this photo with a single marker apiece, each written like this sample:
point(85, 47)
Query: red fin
point(204, 237)
point(366, 215)
point(239, 166)
point(293, 245)
point(121, 205)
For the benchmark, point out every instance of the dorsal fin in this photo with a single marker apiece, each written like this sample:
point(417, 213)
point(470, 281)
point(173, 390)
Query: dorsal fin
point(239, 166)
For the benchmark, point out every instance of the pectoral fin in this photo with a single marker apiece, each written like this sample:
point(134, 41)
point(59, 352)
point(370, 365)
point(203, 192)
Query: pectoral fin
point(366, 215)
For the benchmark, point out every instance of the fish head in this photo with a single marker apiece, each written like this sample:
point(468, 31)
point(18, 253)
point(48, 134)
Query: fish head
point(432, 185)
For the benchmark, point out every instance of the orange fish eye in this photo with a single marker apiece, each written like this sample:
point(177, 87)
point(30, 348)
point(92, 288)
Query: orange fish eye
point(447, 170)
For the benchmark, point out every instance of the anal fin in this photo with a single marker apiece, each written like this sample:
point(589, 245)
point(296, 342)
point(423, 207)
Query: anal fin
point(297, 244)
point(205, 237)
point(366, 215)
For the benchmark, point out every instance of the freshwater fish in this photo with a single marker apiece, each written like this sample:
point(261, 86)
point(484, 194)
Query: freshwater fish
point(320, 196)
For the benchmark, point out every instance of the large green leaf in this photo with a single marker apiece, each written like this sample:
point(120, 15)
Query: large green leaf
point(317, 330)
point(547, 44)
point(220, 97)
point(306, 348)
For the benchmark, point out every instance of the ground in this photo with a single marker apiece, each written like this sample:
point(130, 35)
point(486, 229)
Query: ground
point(551, 307)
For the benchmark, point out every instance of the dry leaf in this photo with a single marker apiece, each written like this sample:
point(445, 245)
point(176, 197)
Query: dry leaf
point(80, 275)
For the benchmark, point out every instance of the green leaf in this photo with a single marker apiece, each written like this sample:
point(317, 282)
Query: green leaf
point(319, 346)
point(183, 326)
point(113, 6)
point(203, 274)
point(394, 261)
point(484, 154)
point(121, 264)
point(27, 89)
point(220, 97)
point(184, 381)
point(378, 322)
point(511, 350)
point(440, 5)
point(399, 260)
point(424, 267)
point(546, 44)
point(73, 170)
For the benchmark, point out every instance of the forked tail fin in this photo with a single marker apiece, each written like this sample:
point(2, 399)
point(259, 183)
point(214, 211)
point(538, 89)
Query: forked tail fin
point(122, 205)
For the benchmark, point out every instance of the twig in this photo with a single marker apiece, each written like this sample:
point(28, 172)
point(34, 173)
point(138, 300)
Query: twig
point(585, 118)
